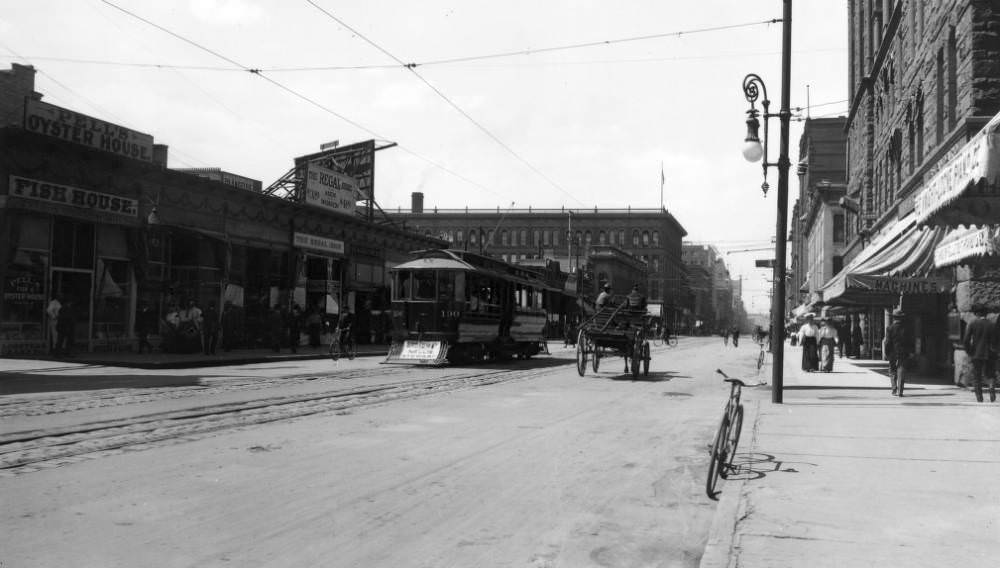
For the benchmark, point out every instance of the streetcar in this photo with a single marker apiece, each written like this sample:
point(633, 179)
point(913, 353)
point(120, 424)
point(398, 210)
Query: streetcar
point(456, 306)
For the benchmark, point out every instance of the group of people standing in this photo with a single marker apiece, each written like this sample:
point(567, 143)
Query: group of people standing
point(819, 341)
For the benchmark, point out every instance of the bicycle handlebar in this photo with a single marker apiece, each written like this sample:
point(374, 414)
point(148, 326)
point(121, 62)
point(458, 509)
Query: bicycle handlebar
point(730, 380)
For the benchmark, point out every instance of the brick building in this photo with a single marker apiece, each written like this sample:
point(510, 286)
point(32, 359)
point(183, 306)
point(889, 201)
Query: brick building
point(569, 236)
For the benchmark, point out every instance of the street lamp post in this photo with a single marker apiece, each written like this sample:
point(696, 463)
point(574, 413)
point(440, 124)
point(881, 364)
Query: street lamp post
point(752, 151)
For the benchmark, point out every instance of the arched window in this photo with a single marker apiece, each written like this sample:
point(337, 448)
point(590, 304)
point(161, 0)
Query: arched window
point(578, 238)
point(460, 236)
point(602, 238)
point(656, 238)
point(645, 238)
point(611, 237)
point(555, 237)
point(503, 238)
point(489, 237)
point(621, 237)
point(587, 238)
point(473, 237)
point(524, 237)
point(635, 237)
point(536, 237)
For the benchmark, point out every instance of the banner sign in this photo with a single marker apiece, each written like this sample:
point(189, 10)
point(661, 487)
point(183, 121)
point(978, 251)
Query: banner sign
point(73, 196)
point(971, 163)
point(976, 242)
point(71, 126)
point(331, 190)
point(307, 241)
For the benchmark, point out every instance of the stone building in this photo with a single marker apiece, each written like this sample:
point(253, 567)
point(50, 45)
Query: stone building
point(924, 92)
point(569, 236)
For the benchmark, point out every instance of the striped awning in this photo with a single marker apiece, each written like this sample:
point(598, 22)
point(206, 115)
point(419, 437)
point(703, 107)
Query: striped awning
point(900, 263)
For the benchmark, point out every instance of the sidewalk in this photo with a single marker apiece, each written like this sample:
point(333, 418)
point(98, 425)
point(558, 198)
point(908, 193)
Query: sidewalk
point(844, 474)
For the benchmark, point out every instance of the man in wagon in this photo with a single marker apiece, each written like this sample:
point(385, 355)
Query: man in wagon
point(604, 297)
point(635, 300)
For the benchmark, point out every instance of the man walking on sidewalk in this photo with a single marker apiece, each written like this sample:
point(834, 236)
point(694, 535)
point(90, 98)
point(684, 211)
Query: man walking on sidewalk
point(898, 349)
point(979, 342)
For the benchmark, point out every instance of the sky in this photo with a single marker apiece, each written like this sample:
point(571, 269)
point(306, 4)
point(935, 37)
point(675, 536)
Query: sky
point(541, 104)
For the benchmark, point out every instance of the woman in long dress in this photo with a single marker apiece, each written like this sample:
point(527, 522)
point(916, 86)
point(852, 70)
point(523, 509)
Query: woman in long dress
point(827, 344)
point(808, 337)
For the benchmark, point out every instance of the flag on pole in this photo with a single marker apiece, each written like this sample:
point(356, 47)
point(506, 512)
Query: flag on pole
point(663, 180)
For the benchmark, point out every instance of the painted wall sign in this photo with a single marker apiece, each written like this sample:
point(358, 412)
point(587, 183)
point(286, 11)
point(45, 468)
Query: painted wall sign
point(71, 126)
point(38, 190)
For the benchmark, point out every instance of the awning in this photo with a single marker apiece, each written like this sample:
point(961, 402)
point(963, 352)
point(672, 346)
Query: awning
point(962, 244)
point(655, 310)
point(898, 264)
point(964, 191)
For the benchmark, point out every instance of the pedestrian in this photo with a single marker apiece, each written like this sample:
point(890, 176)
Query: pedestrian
point(293, 323)
point(65, 328)
point(736, 336)
point(52, 311)
point(145, 324)
point(725, 337)
point(210, 329)
point(276, 327)
point(314, 323)
point(828, 339)
point(979, 342)
point(844, 336)
point(229, 326)
point(190, 327)
point(809, 340)
point(857, 337)
point(898, 349)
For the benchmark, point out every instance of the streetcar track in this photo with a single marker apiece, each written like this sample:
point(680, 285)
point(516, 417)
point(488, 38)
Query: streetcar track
point(23, 452)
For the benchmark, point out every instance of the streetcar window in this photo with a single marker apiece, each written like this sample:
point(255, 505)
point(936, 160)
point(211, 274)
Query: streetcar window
point(446, 285)
point(423, 285)
point(403, 280)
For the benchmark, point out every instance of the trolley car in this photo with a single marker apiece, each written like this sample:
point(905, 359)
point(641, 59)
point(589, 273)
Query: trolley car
point(453, 306)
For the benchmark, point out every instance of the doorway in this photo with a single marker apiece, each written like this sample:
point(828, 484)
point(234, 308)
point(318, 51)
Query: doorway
point(73, 287)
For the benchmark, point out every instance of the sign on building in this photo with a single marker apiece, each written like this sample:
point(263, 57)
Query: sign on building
point(71, 126)
point(331, 190)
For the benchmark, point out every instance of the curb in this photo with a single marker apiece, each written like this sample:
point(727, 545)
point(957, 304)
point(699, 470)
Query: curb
point(720, 548)
point(198, 363)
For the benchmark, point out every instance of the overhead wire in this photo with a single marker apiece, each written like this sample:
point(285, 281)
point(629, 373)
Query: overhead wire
point(451, 103)
point(294, 93)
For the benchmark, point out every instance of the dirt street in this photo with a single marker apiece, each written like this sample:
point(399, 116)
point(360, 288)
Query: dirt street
point(541, 469)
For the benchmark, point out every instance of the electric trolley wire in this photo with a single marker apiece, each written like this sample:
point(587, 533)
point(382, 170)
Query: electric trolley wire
point(451, 103)
point(296, 94)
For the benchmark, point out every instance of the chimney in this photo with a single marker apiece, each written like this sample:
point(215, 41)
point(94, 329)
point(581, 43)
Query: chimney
point(160, 152)
point(417, 202)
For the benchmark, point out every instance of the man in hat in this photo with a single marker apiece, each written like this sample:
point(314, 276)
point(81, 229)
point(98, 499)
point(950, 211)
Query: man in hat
point(635, 299)
point(979, 342)
point(809, 340)
point(898, 348)
point(604, 297)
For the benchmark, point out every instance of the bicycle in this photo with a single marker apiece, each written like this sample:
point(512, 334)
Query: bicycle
point(727, 438)
point(762, 355)
point(343, 344)
point(669, 340)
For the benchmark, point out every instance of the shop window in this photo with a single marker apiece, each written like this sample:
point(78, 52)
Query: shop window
point(111, 299)
point(72, 244)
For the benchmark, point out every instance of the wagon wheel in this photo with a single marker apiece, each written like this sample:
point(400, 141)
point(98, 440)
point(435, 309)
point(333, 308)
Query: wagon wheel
point(581, 353)
point(645, 358)
point(597, 358)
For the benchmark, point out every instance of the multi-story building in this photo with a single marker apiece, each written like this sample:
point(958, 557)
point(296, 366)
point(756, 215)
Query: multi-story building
point(90, 214)
point(820, 220)
point(923, 83)
point(569, 236)
point(715, 299)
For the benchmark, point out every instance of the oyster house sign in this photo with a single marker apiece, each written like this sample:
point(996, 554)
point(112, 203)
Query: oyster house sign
point(71, 126)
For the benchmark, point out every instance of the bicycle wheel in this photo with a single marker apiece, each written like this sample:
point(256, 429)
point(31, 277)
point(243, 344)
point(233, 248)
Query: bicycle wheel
point(716, 461)
point(732, 440)
point(760, 360)
point(672, 341)
point(597, 359)
point(335, 350)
